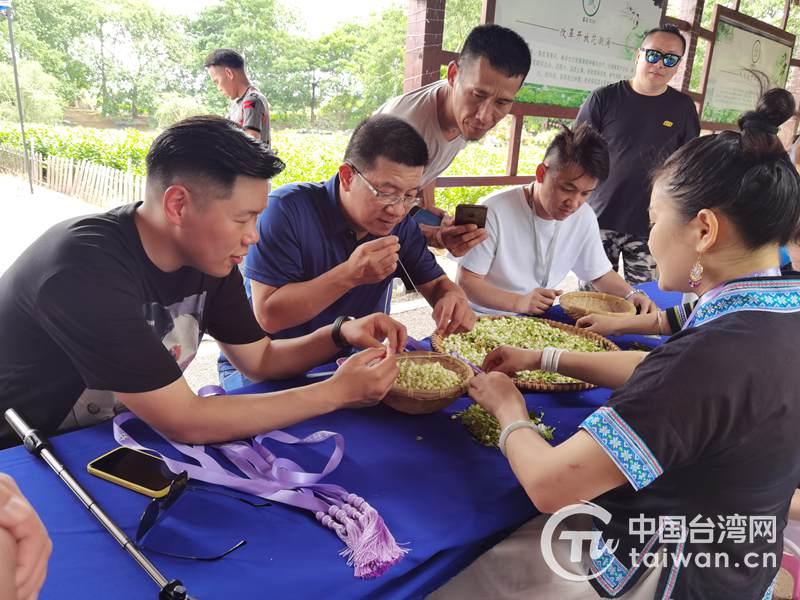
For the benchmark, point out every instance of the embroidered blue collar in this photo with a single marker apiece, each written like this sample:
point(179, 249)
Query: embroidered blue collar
point(763, 294)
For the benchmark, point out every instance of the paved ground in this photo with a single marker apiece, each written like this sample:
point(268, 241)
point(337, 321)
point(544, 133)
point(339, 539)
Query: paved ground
point(24, 217)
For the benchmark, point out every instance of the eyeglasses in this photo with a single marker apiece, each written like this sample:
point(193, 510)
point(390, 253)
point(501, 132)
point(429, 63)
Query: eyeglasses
point(158, 507)
point(388, 199)
point(653, 56)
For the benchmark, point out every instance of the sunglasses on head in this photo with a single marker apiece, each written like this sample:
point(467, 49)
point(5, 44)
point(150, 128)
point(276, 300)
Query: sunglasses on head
point(653, 56)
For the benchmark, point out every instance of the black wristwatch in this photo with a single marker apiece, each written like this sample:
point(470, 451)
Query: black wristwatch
point(336, 331)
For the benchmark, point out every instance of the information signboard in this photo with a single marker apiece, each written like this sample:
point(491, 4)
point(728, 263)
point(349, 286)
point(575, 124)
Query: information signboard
point(577, 45)
point(745, 57)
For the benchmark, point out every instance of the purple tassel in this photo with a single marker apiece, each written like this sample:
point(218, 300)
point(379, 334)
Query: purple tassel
point(370, 547)
point(376, 549)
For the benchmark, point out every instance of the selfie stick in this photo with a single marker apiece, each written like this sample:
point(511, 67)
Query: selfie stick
point(37, 444)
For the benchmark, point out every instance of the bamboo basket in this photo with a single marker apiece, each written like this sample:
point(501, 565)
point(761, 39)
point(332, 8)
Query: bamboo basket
point(437, 343)
point(420, 402)
point(580, 304)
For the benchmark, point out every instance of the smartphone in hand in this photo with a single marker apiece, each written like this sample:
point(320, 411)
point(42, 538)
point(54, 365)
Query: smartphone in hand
point(471, 214)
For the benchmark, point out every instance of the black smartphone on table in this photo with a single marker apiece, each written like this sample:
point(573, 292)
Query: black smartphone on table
point(471, 214)
point(425, 217)
point(135, 470)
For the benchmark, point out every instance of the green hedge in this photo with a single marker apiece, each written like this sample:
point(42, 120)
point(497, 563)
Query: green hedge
point(123, 149)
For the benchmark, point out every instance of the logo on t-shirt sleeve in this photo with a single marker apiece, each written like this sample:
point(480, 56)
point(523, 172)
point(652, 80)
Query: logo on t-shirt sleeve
point(668, 123)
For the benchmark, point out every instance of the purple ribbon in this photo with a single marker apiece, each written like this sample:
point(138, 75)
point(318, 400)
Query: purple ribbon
point(371, 548)
point(415, 344)
point(211, 390)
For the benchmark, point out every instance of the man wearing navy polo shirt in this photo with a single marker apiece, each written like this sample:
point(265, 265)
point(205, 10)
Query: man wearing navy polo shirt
point(331, 249)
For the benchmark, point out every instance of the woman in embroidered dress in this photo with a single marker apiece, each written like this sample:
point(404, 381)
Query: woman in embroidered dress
point(692, 463)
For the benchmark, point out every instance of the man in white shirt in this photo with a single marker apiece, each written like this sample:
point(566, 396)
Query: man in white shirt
point(539, 232)
point(477, 93)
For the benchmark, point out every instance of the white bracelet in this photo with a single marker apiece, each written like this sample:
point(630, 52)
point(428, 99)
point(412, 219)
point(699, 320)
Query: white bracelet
point(510, 428)
point(634, 291)
point(547, 354)
point(550, 359)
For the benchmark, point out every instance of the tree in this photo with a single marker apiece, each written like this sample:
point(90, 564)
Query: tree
point(39, 91)
point(363, 66)
point(45, 31)
point(380, 62)
point(123, 51)
point(174, 107)
point(460, 17)
point(130, 56)
point(138, 54)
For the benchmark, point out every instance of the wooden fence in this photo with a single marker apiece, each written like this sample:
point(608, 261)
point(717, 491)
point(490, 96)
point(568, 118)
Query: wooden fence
point(103, 186)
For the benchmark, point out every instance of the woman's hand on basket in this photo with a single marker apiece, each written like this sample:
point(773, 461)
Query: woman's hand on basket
point(498, 395)
point(601, 324)
point(537, 301)
point(365, 377)
point(510, 360)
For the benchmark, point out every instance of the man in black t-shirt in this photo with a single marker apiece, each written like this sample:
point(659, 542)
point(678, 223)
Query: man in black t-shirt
point(643, 121)
point(111, 307)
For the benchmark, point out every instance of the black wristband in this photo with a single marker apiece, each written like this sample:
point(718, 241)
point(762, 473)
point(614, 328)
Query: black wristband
point(336, 332)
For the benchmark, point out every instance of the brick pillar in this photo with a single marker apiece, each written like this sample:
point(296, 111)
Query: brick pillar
point(423, 43)
point(690, 11)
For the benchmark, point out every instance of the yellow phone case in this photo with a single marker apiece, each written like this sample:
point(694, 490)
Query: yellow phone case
point(124, 482)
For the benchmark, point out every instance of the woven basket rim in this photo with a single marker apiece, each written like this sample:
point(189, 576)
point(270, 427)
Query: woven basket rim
point(436, 344)
point(574, 310)
point(464, 371)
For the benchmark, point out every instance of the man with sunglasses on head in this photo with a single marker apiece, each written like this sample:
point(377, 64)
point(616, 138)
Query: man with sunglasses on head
point(643, 121)
point(330, 250)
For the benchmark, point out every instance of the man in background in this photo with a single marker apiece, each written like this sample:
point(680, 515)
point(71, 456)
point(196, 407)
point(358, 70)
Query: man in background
point(249, 107)
point(478, 92)
point(643, 121)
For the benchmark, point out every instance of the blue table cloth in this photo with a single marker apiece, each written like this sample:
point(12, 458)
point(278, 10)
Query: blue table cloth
point(445, 496)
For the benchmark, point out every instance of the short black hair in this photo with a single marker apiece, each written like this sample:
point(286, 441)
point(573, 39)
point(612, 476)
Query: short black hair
point(212, 150)
point(582, 146)
point(746, 175)
point(387, 136)
point(665, 28)
point(224, 57)
point(504, 49)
